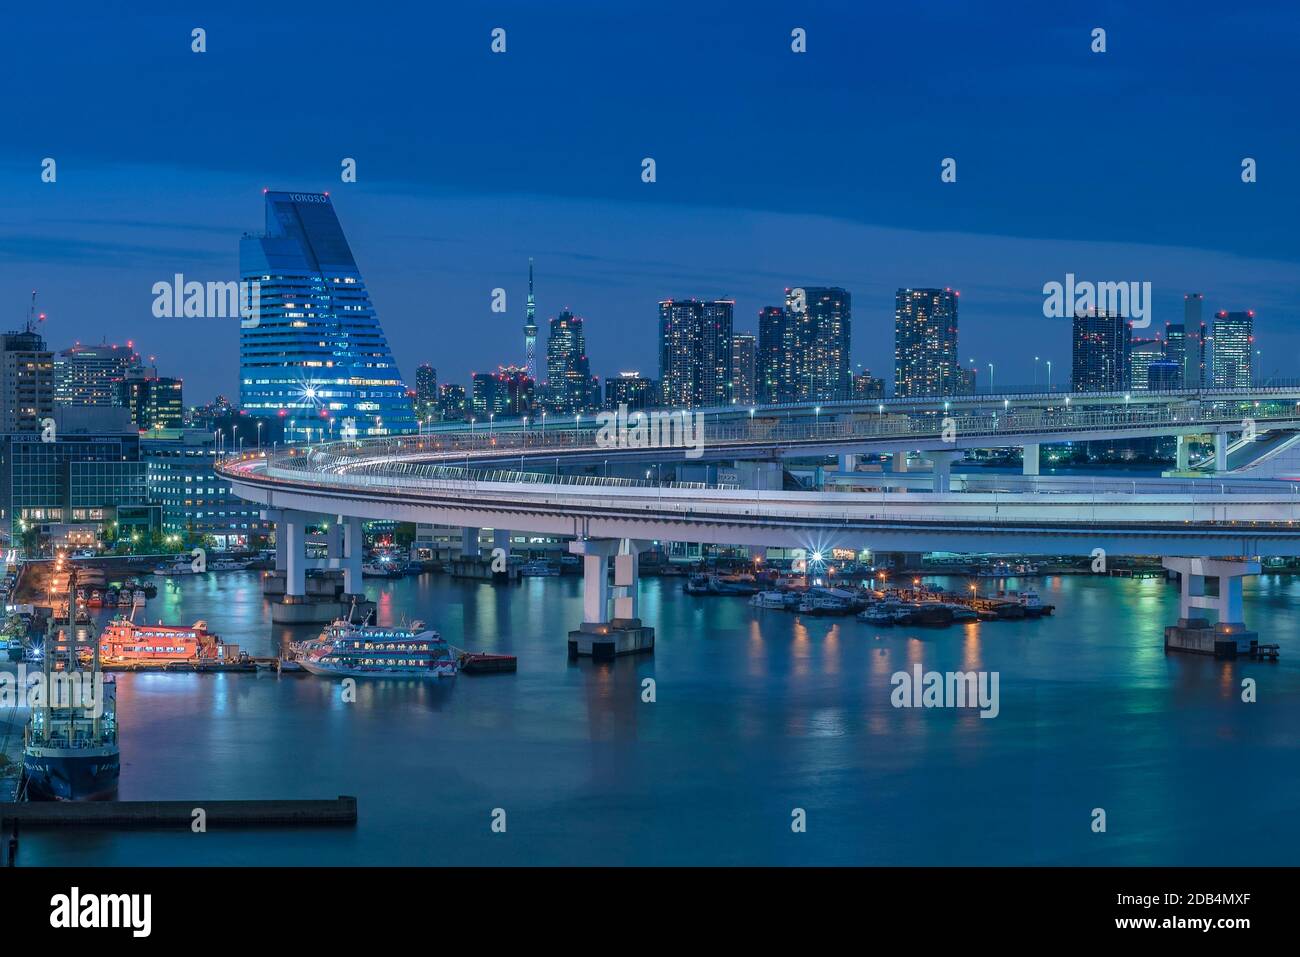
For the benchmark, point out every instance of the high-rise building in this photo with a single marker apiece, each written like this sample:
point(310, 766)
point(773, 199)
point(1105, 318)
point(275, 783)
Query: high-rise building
point(744, 372)
point(568, 372)
point(426, 391)
point(530, 329)
point(631, 389)
point(774, 369)
point(695, 352)
point(1234, 348)
point(1176, 349)
point(1164, 375)
point(88, 375)
point(452, 405)
point(1197, 347)
point(506, 392)
point(1143, 352)
point(314, 351)
point(1100, 354)
point(820, 334)
point(193, 500)
point(153, 402)
point(925, 342)
point(26, 381)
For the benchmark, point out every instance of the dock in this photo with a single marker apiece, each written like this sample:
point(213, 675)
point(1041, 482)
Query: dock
point(180, 667)
point(337, 812)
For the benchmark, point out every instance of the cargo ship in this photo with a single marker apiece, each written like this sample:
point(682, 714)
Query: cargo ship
point(70, 750)
point(348, 650)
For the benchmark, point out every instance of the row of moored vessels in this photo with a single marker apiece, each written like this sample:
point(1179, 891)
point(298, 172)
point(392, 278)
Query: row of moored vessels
point(903, 607)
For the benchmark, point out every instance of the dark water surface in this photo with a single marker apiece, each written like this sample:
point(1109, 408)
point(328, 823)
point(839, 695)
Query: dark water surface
point(758, 712)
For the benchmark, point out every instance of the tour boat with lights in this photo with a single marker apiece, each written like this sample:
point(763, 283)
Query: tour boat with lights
point(125, 641)
point(348, 650)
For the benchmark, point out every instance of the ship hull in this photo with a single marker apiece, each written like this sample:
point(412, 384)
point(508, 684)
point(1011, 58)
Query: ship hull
point(318, 669)
point(81, 774)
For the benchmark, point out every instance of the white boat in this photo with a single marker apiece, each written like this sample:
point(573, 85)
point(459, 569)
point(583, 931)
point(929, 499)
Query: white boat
point(172, 569)
point(227, 565)
point(347, 650)
point(772, 599)
point(826, 602)
point(875, 615)
point(538, 569)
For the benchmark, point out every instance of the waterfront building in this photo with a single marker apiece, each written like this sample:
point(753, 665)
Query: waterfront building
point(1100, 353)
point(26, 381)
point(925, 343)
point(192, 500)
point(695, 352)
point(568, 371)
point(744, 370)
point(315, 351)
point(89, 473)
point(1143, 352)
point(88, 375)
point(1234, 349)
point(153, 402)
point(630, 389)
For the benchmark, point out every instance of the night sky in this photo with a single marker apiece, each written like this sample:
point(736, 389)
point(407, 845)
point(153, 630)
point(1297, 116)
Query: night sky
point(774, 168)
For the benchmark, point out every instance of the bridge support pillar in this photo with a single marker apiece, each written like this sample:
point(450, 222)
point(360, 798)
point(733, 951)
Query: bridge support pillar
point(292, 531)
point(1220, 451)
point(1183, 456)
point(1225, 638)
point(900, 462)
point(1030, 459)
point(942, 469)
point(501, 540)
point(599, 636)
point(848, 463)
point(353, 547)
point(469, 542)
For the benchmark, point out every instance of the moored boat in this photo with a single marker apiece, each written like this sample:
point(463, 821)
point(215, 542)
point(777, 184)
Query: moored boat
point(348, 650)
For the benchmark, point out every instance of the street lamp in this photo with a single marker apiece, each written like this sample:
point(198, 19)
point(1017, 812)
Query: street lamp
point(1049, 375)
point(990, 378)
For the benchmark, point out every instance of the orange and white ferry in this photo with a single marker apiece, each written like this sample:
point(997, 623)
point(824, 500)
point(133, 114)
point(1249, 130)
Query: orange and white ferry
point(123, 640)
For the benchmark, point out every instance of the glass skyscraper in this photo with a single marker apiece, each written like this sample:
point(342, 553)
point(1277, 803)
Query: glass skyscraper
point(695, 352)
point(1102, 345)
point(1234, 338)
point(925, 343)
point(567, 370)
point(314, 353)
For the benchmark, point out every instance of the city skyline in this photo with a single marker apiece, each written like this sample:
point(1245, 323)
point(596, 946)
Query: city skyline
point(437, 230)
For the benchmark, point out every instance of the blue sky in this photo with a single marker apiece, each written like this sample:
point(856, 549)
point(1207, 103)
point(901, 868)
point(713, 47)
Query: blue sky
point(774, 168)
